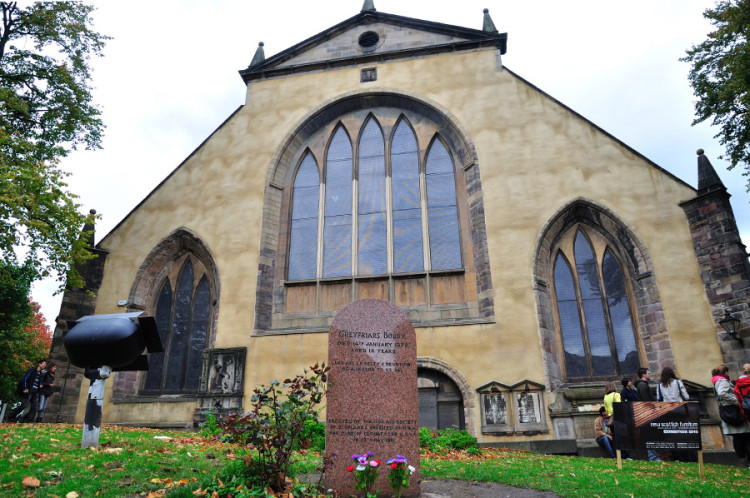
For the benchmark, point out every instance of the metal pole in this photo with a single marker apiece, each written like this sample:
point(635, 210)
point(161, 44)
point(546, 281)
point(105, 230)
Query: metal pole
point(93, 419)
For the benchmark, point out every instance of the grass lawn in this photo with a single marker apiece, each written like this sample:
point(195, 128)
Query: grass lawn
point(141, 462)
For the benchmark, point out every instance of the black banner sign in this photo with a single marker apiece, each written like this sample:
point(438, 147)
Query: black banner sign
point(654, 425)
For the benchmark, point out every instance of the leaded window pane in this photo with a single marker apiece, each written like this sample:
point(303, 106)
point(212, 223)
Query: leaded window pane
point(593, 306)
point(303, 247)
point(442, 216)
point(407, 206)
point(161, 317)
point(570, 321)
point(337, 233)
point(372, 238)
point(619, 312)
point(199, 329)
point(176, 355)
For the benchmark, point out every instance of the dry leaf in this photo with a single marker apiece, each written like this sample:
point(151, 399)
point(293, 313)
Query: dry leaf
point(30, 482)
point(72, 494)
point(113, 450)
point(57, 441)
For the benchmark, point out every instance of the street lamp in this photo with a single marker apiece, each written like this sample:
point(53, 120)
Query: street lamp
point(731, 326)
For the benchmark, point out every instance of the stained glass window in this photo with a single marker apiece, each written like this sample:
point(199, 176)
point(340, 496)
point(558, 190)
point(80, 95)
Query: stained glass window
point(337, 232)
point(303, 248)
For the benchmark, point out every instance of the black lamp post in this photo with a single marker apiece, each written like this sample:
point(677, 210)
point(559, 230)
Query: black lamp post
point(731, 325)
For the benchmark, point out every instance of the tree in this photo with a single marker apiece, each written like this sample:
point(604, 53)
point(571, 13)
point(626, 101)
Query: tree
point(46, 111)
point(24, 335)
point(720, 77)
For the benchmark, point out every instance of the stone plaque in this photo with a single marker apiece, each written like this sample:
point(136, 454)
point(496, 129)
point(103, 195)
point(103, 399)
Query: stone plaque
point(372, 398)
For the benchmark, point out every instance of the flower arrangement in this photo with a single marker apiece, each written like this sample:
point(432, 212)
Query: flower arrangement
point(366, 472)
point(400, 473)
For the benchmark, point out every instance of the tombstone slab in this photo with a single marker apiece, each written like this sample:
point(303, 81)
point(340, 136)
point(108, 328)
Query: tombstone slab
point(372, 402)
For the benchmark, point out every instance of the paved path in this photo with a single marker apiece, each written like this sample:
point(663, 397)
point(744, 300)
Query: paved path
point(451, 488)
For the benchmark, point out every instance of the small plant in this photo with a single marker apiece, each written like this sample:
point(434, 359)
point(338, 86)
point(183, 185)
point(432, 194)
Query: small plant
point(427, 440)
point(365, 472)
point(399, 475)
point(447, 439)
point(274, 425)
point(211, 427)
point(313, 435)
point(453, 439)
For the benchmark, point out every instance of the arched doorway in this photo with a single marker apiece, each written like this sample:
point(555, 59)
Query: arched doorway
point(440, 402)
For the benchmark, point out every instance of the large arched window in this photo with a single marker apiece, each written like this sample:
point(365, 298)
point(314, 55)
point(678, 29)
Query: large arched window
point(389, 235)
point(387, 223)
point(376, 195)
point(182, 312)
point(594, 308)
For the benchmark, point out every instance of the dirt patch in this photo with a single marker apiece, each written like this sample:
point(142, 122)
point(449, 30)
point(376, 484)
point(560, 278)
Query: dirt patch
point(451, 488)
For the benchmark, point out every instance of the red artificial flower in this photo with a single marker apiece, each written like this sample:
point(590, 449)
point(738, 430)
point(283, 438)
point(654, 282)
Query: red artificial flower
point(350, 468)
point(378, 462)
point(394, 465)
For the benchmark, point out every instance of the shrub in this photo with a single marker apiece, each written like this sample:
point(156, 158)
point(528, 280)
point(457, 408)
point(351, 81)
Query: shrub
point(447, 439)
point(276, 422)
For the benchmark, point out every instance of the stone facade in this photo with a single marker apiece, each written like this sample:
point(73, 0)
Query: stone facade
point(528, 171)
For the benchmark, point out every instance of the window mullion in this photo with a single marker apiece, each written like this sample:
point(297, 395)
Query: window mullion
point(388, 213)
point(608, 318)
point(321, 225)
point(425, 221)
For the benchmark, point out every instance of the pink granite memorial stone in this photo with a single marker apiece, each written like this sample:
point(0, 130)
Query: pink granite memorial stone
point(372, 403)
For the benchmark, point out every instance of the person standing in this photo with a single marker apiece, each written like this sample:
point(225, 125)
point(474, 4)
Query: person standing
point(603, 435)
point(25, 388)
point(642, 386)
point(725, 396)
point(670, 388)
point(628, 393)
point(644, 393)
point(611, 396)
point(46, 390)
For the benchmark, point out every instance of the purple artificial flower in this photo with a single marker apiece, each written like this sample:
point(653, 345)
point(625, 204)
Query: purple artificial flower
point(355, 457)
point(369, 454)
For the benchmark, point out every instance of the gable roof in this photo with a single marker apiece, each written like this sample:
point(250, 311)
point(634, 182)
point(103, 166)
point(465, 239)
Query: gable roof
point(396, 37)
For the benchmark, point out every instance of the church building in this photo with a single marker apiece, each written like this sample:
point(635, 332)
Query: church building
point(388, 157)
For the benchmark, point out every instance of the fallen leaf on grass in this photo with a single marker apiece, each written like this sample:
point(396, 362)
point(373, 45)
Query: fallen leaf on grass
point(57, 441)
point(72, 494)
point(113, 450)
point(30, 482)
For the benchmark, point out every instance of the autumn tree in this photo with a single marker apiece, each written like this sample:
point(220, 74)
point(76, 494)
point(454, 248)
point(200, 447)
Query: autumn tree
point(46, 110)
point(24, 335)
point(720, 77)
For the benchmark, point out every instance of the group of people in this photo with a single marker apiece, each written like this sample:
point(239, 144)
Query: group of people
point(670, 388)
point(35, 389)
point(732, 394)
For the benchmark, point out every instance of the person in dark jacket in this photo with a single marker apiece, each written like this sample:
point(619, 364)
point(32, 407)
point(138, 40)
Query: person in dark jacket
point(642, 386)
point(628, 393)
point(46, 390)
point(25, 388)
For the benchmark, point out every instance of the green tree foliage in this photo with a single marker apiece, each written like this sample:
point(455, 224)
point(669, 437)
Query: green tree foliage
point(46, 110)
point(720, 77)
point(24, 336)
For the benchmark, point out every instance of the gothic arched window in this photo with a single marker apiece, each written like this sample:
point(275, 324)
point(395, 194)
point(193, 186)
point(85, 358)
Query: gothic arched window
point(182, 311)
point(593, 308)
point(380, 220)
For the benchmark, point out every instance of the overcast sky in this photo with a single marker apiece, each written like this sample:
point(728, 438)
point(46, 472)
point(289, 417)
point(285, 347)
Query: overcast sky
point(168, 78)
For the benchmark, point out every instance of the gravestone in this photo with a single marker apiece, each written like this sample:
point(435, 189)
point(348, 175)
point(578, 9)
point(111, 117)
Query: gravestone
point(372, 400)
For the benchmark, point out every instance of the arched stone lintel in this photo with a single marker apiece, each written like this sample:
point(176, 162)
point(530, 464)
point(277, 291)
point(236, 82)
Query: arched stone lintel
point(156, 264)
point(467, 393)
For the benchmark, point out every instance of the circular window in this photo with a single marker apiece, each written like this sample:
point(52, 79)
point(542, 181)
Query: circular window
point(368, 39)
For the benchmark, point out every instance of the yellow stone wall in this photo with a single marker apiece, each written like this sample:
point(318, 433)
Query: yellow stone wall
point(534, 157)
